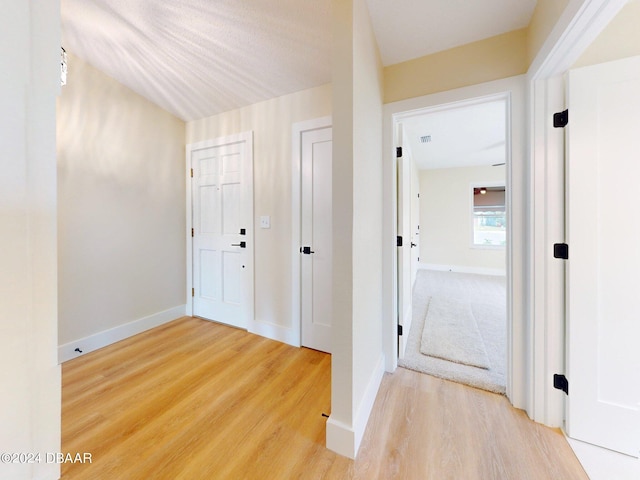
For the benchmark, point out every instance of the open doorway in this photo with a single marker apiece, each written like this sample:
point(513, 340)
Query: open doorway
point(513, 89)
point(453, 164)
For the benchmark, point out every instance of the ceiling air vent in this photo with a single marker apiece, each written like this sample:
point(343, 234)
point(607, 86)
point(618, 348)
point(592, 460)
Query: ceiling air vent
point(425, 139)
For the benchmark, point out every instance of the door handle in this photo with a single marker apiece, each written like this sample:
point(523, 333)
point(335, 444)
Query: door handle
point(413, 245)
point(241, 244)
point(306, 250)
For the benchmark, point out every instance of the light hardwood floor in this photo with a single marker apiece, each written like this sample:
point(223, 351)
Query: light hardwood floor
point(195, 400)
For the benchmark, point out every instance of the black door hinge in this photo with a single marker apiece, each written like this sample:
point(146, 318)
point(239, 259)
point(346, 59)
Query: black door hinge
point(561, 119)
point(561, 383)
point(561, 250)
point(399, 329)
point(398, 152)
point(398, 241)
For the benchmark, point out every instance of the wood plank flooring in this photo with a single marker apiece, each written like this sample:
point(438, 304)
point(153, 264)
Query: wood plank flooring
point(197, 400)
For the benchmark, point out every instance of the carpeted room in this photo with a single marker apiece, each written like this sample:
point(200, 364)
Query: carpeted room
point(458, 330)
point(459, 225)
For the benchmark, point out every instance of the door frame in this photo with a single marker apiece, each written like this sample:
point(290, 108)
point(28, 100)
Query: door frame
point(403, 167)
point(578, 26)
point(297, 130)
point(512, 90)
point(247, 138)
point(533, 354)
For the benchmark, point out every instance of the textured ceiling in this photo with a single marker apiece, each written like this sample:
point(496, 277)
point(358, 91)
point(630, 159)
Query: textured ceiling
point(197, 58)
point(407, 29)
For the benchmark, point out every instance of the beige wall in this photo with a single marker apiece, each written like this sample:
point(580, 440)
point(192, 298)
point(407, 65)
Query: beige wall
point(620, 39)
point(367, 202)
point(271, 122)
point(445, 218)
point(30, 385)
point(121, 194)
point(490, 59)
point(545, 16)
point(338, 438)
point(502, 56)
point(357, 224)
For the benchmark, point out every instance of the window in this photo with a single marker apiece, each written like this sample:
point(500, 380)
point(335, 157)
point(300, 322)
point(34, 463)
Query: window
point(489, 216)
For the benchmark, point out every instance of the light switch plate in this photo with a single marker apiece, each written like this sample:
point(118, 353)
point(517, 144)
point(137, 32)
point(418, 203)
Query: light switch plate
point(265, 221)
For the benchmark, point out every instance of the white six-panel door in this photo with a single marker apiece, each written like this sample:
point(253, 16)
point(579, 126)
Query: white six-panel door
point(222, 242)
point(603, 331)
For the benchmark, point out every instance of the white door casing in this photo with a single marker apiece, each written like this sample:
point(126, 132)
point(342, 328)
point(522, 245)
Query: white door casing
point(512, 91)
point(222, 229)
point(415, 221)
point(603, 233)
point(580, 24)
point(312, 228)
point(404, 251)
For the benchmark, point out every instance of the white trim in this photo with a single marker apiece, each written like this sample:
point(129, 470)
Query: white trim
point(546, 287)
point(513, 89)
point(389, 248)
point(341, 438)
point(189, 224)
point(498, 272)
point(290, 336)
point(247, 138)
point(344, 439)
point(116, 334)
point(298, 129)
point(603, 464)
point(580, 24)
point(363, 412)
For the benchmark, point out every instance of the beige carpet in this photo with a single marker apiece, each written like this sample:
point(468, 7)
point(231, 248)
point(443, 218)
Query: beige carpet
point(451, 332)
point(486, 297)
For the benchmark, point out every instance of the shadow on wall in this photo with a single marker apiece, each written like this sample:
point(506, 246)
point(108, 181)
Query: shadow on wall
point(121, 205)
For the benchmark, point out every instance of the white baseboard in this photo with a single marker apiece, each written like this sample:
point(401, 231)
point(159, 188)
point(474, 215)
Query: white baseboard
point(366, 405)
point(341, 438)
point(603, 464)
point(344, 439)
point(115, 334)
point(276, 332)
point(461, 269)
